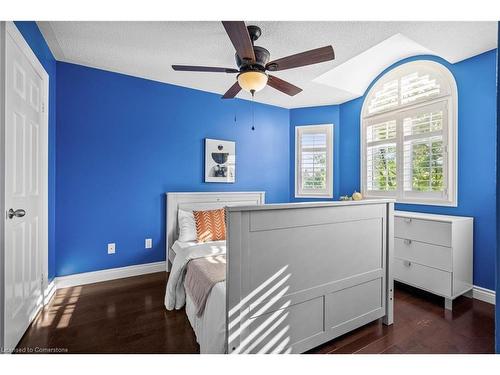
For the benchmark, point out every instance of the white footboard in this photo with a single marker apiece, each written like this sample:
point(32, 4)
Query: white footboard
point(302, 274)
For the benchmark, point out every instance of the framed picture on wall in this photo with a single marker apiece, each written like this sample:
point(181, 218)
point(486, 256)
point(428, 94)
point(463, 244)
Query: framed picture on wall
point(220, 160)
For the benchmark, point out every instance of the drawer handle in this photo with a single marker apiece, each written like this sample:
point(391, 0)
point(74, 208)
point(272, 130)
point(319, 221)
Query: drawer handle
point(407, 263)
point(408, 220)
point(407, 242)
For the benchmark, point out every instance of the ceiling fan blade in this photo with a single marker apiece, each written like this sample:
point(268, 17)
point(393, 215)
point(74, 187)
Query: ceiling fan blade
point(313, 56)
point(232, 92)
point(283, 86)
point(240, 38)
point(191, 68)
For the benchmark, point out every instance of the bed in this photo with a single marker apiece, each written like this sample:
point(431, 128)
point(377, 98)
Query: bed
point(296, 275)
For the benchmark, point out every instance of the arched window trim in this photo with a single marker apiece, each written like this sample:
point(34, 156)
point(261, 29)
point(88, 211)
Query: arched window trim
point(448, 99)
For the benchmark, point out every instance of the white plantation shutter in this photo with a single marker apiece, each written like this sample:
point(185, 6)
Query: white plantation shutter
point(409, 135)
point(415, 87)
point(381, 156)
point(313, 177)
point(385, 98)
point(379, 175)
point(425, 156)
point(381, 131)
point(313, 160)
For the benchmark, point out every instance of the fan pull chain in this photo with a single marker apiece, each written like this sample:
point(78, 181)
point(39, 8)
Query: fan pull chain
point(253, 110)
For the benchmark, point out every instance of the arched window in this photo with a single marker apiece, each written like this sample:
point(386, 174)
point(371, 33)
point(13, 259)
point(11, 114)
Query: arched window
point(409, 135)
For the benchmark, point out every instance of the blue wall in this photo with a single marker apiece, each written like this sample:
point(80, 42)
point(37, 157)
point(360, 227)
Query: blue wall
point(476, 81)
point(313, 116)
point(35, 40)
point(120, 133)
point(123, 142)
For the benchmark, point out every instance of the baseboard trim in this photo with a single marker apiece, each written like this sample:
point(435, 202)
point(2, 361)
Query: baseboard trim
point(483, 294)
point(477, 292)
point(109, 274)
point(49, 292)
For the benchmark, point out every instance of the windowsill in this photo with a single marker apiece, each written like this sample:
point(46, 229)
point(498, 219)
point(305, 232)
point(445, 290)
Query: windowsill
point(314, 196)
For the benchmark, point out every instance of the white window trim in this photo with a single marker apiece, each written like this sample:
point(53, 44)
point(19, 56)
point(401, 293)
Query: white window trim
point(451, 133)
point(329, 161)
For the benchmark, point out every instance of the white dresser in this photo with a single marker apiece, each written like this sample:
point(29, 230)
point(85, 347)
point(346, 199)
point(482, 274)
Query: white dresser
point(434, 253)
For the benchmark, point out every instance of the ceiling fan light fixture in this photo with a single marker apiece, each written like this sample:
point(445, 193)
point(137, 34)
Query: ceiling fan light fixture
point(252, 81)
point(253, 62)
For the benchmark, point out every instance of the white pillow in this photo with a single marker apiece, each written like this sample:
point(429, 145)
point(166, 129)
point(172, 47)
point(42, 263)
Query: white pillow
point(187, 226)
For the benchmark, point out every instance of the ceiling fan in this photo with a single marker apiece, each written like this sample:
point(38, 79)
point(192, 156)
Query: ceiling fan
point(253, 62)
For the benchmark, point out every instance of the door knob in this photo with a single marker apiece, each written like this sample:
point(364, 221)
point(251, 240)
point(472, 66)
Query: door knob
point(17, 213)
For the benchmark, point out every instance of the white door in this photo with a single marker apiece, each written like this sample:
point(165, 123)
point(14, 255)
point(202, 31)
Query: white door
point(25, 153)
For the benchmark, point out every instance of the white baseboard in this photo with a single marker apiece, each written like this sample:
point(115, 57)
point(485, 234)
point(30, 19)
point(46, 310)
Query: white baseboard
point(49, 292)
point(109, 274)
point(482, 294)
point(479, 293)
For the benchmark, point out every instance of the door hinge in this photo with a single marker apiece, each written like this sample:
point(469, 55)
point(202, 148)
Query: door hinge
point(43, 107)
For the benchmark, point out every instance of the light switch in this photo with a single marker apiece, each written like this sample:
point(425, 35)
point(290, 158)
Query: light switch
point(148, 243)
point(111, 248)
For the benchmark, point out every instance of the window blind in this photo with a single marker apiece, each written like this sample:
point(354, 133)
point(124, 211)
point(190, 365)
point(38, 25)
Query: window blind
point(314, 154)
point(385, 98)
point(313, 160)
point(424, 152)
point(410, 88)
point(417, 86)
point(408, 128)
point(381, 156)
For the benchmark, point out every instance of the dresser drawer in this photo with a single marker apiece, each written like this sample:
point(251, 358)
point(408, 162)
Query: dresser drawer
point(428, 278)
point(424, 253)
point(433, 232)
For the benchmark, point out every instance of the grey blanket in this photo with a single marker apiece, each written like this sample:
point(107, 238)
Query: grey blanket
point(201, 276)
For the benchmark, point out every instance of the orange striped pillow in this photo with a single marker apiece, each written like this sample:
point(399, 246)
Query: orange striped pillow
point(210, 225)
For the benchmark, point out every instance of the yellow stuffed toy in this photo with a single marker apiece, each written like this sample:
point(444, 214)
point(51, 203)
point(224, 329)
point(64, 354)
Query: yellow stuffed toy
point(356, 196)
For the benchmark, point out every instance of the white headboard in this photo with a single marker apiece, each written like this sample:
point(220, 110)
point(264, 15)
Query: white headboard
point(204, 201)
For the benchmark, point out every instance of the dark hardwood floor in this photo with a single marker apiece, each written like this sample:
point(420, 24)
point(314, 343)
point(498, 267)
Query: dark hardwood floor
point(128, 316)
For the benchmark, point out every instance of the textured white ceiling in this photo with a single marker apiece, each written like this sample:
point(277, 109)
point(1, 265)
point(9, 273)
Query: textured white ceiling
point(148, 49)
point(356, 74)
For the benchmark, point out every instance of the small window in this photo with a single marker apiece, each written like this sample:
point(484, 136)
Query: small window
point(313, 161)
point(409, 135)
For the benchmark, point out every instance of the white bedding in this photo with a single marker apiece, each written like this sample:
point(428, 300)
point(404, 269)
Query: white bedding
point(210, 327)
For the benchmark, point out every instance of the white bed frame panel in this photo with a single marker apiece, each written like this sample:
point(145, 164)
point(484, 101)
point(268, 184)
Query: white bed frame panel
point(202, 201)
point(300, 275)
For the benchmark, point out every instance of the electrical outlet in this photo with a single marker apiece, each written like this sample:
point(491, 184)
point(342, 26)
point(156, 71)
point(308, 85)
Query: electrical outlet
point(111, 248)
point(148, 244)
